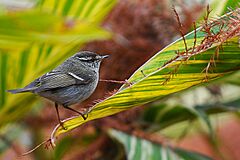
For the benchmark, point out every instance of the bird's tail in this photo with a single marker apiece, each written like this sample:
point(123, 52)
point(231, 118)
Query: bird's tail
point(21, 90)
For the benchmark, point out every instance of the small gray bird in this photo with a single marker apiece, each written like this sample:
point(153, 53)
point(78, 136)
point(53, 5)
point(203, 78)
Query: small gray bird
point(71, 82)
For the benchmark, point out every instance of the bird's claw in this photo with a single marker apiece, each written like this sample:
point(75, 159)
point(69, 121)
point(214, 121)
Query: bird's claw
point(85, 112)
point(84, 116)
point(61, 124)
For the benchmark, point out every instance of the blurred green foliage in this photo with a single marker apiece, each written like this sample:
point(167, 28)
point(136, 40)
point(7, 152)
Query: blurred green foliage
point(35, 40)
point(137, 148)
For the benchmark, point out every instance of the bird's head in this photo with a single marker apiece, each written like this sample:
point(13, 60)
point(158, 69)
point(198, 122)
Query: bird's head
point(89, 59)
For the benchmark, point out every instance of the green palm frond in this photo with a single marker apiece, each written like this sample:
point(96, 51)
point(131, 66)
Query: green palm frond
point(174, 69)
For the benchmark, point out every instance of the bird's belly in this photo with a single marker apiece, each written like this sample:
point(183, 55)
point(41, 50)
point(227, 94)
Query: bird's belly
point(71, 94)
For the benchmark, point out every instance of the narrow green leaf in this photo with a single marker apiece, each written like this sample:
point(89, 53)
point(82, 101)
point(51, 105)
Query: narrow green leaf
point(67, 7)
point(23, 65)
point(88, 8)
point(80, 8)
point(203, 116)
point(137, 148)
point(190, 155)
point(163, 115)
point(176, 121)
point(3, 78)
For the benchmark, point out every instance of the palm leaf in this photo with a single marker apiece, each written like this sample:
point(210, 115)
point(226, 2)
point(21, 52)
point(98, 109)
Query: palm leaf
point(167, 72)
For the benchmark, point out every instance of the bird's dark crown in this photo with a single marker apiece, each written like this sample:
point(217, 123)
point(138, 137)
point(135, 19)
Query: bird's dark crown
point(87, 56)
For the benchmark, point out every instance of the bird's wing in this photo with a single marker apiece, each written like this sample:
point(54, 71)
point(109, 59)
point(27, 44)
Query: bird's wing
point(58, 79)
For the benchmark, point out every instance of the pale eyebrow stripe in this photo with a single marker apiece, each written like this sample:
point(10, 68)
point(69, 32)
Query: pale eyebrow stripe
point(75, 76)
point(82, 58)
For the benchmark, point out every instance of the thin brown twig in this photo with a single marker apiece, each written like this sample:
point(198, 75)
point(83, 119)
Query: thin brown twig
point(35, 148)
point(211, 38)
point(116, 81)
point(206, 70)
point(195, 37)
point(112, 81)
point(181, 29)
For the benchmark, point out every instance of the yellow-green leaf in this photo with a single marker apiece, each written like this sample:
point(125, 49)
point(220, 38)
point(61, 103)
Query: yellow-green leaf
point(167, 72)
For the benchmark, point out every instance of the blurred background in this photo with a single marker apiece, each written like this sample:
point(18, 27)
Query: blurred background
point(36, 35)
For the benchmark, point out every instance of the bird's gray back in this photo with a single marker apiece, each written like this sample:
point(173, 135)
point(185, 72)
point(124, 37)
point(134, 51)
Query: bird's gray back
point(75, 93)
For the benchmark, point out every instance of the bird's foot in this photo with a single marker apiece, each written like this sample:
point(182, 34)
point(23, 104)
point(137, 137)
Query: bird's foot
point(61, 124)
point(85, 112)
point(84, 116)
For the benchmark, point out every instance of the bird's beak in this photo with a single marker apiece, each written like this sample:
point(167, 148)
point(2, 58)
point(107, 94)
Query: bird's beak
point(105, 56)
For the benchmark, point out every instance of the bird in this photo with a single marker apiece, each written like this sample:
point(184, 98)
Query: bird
point(71, 82)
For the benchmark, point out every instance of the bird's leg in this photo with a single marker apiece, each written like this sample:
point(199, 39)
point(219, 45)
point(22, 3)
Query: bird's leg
point(83, 116)
point(59, 120)
point(129, 84)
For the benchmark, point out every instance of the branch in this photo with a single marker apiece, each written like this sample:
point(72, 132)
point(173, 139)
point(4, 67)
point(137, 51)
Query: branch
point(116, 81)
point(180, 29)
point(47, 142)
